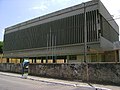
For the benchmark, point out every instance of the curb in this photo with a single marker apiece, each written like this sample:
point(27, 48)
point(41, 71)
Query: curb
point(52, 82)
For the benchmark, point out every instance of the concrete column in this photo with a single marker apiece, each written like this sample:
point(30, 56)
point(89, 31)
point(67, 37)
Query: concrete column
point(68, 59)
point(41, 60)
point(7, 60)
point(54, 60)
point(115, 56)
point(35, 60)
point(119, 55)
point(65, 60)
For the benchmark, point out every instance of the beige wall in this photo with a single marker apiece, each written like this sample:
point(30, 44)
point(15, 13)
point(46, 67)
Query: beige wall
point(2, 60)
point(90, 58)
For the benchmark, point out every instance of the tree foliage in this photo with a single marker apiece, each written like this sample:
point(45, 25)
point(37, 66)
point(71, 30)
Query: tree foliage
point(1, 47)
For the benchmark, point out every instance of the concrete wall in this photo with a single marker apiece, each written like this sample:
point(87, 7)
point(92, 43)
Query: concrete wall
point(105, 73)
point(104, 12)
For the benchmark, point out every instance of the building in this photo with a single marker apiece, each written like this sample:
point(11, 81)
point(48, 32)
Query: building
point(65, 36)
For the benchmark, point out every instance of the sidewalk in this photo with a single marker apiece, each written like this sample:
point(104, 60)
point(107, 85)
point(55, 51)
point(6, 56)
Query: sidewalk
point(63, 82)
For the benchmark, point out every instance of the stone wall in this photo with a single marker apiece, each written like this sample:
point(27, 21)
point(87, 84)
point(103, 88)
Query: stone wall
point(11, 67)
point(105, 73)
point(63, 71)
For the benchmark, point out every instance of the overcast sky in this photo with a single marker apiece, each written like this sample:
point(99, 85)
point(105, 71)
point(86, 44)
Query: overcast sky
point(16, 11)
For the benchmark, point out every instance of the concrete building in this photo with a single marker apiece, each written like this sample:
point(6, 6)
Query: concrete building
point(65, 36)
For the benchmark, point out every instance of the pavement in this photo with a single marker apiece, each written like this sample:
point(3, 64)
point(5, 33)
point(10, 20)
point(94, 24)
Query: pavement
point(62, 82)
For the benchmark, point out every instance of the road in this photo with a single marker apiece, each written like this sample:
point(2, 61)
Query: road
point(11, 81)
point(15, 83)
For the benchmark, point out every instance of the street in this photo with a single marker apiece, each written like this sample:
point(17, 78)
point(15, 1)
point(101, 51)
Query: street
point(12, 81)
point(16, 83)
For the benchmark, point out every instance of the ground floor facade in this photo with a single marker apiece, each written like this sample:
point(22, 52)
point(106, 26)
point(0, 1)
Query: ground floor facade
point(107, 56)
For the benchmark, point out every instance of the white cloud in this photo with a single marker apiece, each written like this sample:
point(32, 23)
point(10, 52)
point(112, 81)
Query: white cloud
point(60, 1)
point(40, 7)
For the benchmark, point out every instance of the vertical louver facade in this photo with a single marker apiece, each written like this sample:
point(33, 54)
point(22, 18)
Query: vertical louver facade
point(69, 30)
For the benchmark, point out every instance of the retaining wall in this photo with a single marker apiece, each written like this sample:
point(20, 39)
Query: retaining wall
point(105, 73)
point(11, 67)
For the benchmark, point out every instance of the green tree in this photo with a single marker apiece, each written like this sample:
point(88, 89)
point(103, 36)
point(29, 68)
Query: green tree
point(1, 47)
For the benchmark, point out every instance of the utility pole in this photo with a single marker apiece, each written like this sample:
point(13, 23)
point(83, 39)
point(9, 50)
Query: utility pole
point(85, 44)
point(51, 43)
point(47, 49)
point(55, 57)
point(53, 48)
point(85, 35)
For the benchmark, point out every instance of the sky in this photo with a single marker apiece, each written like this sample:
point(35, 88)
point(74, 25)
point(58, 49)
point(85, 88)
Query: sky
point(16, 11)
